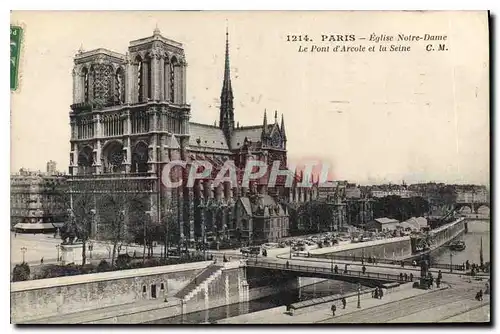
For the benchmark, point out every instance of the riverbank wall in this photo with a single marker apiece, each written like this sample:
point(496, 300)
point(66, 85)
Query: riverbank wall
point(395, 248)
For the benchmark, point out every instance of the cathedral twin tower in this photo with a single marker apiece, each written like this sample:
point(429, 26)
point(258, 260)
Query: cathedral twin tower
point(129, 118)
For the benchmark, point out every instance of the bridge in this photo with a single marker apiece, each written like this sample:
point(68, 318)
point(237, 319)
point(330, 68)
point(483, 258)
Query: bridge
point(405, 262)
point(473, 207)
point(369, 278)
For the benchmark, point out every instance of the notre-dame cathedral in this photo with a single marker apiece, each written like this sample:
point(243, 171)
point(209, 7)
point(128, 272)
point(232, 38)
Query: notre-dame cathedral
point(130, 117)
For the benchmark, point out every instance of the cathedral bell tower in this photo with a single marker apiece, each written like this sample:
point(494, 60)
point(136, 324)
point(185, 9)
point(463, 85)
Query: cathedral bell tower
point(226, 121)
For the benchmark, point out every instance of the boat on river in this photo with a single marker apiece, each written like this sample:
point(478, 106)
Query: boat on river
point(457, 246)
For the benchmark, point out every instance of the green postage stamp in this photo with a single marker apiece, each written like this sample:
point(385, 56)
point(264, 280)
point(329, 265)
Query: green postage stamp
point(16, 34)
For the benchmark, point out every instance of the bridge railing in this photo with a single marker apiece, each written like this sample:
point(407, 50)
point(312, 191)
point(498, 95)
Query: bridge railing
point(353, 258)
point(330, 271)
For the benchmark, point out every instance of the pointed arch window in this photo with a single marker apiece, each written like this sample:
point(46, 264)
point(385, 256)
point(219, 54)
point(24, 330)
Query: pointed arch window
point(92, 76)
point(149, 78)
point(140, 76)
point(173, 65)
point(119, 86)
point(85, 76)
point(140, 158)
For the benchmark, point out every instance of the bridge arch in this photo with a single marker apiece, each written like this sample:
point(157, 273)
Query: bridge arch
point(483, 210)
point(464, 209)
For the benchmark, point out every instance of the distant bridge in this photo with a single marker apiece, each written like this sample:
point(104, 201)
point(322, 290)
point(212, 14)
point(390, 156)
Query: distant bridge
point(475, 207)
point(369, 278)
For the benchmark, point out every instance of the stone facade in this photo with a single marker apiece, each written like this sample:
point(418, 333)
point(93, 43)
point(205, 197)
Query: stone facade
point(130, 117)
point(38, 201)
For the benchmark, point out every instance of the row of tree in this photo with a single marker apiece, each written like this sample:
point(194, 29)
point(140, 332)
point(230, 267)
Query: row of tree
point(126, 213)
point(400, 208)
point(316, 216)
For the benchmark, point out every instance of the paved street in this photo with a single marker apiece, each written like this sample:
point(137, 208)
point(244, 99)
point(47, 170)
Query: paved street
point(429, 307)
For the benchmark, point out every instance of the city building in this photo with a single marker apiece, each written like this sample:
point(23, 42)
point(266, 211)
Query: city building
point(38, 201)
point(130, 117)
point(52, 168)
point(403, 193)
point(382, 225)
point(472, 194)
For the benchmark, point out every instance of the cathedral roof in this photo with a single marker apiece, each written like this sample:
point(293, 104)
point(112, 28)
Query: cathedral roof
point(253, 134)
point(208, 136)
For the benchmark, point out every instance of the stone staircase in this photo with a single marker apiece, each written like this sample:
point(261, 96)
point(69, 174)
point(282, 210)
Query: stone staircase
point(206, 276)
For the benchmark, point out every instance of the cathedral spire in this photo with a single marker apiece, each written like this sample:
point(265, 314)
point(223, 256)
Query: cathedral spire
point(156, 31)
point(283, 126)
point(264, 125)
point(226, 122)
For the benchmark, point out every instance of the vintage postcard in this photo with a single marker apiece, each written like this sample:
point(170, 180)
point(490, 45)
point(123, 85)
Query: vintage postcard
point(250, 167)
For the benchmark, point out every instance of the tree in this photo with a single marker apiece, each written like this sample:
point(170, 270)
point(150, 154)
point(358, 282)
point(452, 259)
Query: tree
point(21, 272)
point(145, 229)
point(112, 212)
point(83, 211)
point(400, 208)
point(81, 215)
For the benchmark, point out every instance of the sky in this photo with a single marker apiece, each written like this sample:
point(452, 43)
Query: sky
point(377, 117)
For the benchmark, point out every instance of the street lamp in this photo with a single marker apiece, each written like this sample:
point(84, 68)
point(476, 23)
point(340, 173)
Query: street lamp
point(57, 247)
point(169, 211)
point(91, 248)
point(202, 207)
point(94, 223)
point(451, 261)
point(359, 295)
point(229, 217)
point(24, 250)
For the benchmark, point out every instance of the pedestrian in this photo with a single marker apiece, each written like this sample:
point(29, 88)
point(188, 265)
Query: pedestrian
point(480, 294)
point(336, 269)
point(334, 308)
point(438, 282)
point(440, 274)
point(467, 265)
point(344, 302)
point(411, 277)
point(345, 268)
point(380, 292)
point(401, 276)
point(402, 264)
point(135, 253)
point(287, 264)
point(41, 260)
point(364, 270)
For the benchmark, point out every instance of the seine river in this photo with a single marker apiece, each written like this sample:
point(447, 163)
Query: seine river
point(477, 230)
point(321, 289)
